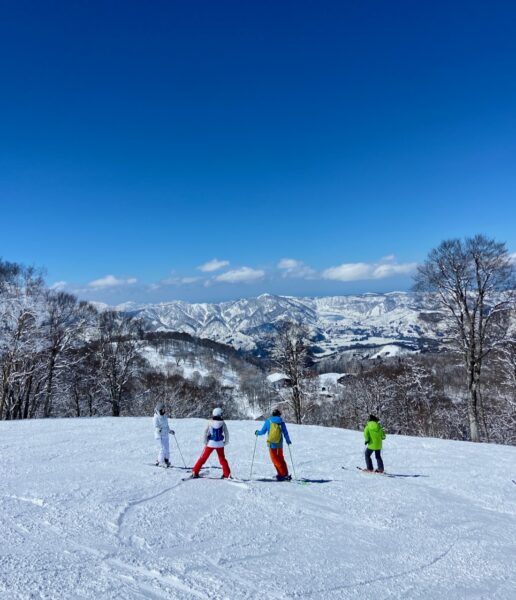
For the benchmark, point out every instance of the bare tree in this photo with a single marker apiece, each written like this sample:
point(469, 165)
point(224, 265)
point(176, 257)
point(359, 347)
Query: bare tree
point(21, 291)
point(368, 392)
point(473, 281)
point(413, 399)
point(120, 339)
point(505, 356)
point(65, 319)
point(291, 355)
point(507, 367)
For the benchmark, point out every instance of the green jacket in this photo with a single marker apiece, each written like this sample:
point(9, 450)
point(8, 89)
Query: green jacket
point(373, 435)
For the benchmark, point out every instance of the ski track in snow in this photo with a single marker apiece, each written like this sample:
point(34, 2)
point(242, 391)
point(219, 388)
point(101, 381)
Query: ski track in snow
point(119, 522)
point(84, 516)
point(358, 584)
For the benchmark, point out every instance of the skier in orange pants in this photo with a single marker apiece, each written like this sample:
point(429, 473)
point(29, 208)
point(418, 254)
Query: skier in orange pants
point(275, 427)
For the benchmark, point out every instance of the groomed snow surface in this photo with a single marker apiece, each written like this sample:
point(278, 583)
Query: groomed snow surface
point(84, 515)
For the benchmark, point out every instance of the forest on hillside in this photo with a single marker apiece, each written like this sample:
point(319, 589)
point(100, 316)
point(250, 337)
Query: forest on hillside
point(63, 357)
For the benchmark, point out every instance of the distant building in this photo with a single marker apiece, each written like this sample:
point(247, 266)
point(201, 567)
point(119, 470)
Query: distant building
point(279, 380)
point(327, 383)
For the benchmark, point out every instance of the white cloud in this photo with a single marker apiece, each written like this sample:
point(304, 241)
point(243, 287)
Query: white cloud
point(295, 268)
point(389, 270)
point(58, 285)
point(180, 280)
point(362, 271)
point(512, 257)
point(111, 281)
point(348, 272)
point(241, 275)
point(289, 263)
point(213, 265)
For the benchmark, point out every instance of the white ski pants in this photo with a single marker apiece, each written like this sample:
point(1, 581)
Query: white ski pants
point(163, 448)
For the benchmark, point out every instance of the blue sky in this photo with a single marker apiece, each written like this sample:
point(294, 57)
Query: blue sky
point(292, 147)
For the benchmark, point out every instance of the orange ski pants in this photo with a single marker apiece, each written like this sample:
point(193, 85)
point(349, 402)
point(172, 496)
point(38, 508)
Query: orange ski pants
point(278, 461)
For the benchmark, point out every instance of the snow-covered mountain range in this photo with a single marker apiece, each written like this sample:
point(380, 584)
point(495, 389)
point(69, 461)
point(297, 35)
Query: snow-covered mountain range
point(368, 324)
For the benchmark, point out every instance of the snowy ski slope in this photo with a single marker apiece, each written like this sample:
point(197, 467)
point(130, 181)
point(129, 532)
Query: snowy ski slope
point(83, 515)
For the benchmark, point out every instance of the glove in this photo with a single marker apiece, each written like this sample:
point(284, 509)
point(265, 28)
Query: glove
point(289, 443)
point(172, 432)
point(256, 432)
point(366, 443)
point(226, 443)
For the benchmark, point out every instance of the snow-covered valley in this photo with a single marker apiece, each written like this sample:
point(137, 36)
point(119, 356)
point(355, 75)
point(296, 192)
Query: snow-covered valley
point(85, 515)
point(362, 324)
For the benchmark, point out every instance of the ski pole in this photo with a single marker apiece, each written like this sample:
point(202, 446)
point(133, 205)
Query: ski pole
point(292, 461)
point(254, 452)
point(180, 453)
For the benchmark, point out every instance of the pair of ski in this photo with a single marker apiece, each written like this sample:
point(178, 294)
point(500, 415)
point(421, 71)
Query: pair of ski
point(238, 480)
point(201, 476)
point(395, 475)
point(170, 467)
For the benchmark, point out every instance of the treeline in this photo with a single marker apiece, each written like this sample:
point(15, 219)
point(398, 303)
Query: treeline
point(423, 395)
point(60, 356)
point(418, 394)
point(468, 392)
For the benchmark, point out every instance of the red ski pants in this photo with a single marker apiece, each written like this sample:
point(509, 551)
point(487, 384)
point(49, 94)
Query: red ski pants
point(278, 461)
point(204, 457)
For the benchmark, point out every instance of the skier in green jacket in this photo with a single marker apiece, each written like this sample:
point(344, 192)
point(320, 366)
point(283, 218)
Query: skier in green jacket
point(373, 435)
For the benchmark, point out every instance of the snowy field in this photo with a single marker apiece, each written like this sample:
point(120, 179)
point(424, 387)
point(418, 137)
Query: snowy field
point(83, 515)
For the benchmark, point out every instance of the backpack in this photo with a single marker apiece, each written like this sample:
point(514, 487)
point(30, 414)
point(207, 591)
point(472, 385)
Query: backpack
point(217, 435)
point(275, 434)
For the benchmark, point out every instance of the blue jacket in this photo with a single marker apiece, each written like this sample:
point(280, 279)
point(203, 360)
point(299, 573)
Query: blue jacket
point(266, 426)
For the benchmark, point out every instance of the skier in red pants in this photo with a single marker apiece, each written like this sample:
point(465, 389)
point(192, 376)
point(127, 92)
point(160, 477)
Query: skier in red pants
point(216, 436)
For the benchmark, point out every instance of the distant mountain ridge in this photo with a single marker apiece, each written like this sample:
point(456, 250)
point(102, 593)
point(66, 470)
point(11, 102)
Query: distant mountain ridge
point(363, 324)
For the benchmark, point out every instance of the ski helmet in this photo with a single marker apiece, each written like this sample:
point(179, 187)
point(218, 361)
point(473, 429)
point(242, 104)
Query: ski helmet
point(217, 412)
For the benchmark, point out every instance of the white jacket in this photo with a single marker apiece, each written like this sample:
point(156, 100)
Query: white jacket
point(212, 429)
point(161, 428)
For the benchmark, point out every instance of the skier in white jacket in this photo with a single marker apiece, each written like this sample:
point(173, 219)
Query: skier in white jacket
point(161, 433)
point(215, 437)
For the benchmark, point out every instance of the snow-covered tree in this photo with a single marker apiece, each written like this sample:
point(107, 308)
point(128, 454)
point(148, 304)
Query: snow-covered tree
point(291, 355)
point(473, 281)
point(413, 396)
point(65, 319)
point(21, 340)
point(119, 342)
